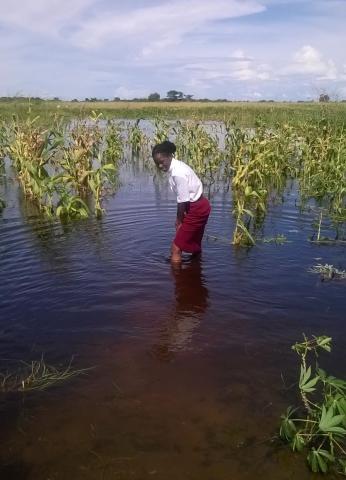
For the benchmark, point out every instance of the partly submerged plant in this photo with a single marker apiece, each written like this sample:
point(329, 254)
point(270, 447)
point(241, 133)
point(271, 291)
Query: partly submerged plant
point(279, 239)
point(71, 206)
point(328, 272)
point(161, 130)
point(113, 143)
point(36, 375)
point(136, 138)
point(318, 426)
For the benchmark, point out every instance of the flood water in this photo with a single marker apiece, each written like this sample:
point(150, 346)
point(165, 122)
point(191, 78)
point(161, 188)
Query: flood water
point(192, 365)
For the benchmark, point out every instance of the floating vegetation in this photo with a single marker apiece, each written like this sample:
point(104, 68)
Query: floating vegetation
point(279, 239)
point(37, 375)
point(318, 426)
point(2, 204)
point(328, 272)
point(328, 241)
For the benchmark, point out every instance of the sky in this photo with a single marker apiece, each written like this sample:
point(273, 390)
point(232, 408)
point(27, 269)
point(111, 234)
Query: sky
point(232, 49)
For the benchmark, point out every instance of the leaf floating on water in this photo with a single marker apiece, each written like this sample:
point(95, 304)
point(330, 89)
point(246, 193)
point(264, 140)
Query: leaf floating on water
point(328, 271)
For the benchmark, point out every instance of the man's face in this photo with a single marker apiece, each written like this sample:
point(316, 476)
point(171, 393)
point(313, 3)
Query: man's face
point(163, 161)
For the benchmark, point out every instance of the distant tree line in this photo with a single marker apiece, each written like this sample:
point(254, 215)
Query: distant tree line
point(171, 96)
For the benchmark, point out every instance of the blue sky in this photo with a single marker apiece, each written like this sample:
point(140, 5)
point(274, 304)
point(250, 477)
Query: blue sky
point(234, 49)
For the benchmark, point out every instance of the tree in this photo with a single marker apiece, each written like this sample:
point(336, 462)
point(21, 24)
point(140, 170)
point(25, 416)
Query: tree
point(188, 97)
point(154, 97)
point(324, 97)
point(174, 95)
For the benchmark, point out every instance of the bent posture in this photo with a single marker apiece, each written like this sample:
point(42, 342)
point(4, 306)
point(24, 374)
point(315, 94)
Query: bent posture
point(193, 208)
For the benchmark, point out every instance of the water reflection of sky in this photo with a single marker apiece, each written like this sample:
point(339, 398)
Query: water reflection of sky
point(62, 278)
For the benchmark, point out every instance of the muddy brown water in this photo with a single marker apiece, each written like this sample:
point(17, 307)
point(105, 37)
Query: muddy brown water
point(192, 366)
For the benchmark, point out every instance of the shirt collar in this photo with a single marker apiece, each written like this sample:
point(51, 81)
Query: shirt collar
point(174, 160)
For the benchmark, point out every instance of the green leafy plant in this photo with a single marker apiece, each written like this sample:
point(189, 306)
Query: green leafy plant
point(113, 143)
point(318, 426)
point(136, 138)
point(198, 148)
point(97, 179)
point(71, 206)
point(161, 130)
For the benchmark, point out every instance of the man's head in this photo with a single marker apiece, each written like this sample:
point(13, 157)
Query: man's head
point(162, 154)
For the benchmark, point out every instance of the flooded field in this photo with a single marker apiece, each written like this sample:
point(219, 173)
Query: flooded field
point(191, 366)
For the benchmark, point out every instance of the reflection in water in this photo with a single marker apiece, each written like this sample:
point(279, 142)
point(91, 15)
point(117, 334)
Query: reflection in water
point(100, 290)
point(191, 302)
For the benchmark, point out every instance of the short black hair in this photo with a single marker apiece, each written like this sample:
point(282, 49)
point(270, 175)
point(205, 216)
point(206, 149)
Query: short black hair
point(166, 147)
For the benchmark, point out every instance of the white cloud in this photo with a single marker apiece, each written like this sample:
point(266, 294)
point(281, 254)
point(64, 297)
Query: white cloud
point(124, 92)
point(309, 61)
point(157, 27)
point(44, 16)
point(244, 68)
point(209, 49)
point(238, 66)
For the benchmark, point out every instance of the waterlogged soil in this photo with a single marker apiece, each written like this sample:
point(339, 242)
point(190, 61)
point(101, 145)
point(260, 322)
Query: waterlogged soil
point(192, 366)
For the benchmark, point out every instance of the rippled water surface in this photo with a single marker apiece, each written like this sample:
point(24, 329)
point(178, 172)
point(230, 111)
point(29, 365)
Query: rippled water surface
point(191, 365)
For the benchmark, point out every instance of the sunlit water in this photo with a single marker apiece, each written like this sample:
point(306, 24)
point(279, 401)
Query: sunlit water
point(192, 366)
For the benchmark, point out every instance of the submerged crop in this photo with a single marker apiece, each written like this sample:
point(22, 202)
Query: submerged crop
point(68, 169)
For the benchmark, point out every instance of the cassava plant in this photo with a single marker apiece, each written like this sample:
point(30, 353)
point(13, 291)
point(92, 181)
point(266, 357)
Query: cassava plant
point(318, 426)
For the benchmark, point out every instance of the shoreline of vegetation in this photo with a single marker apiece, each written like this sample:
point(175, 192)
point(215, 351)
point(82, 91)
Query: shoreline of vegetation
point(245, 114)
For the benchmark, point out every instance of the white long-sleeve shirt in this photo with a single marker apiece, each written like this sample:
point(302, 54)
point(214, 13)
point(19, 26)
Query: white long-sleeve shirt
point(184, 182)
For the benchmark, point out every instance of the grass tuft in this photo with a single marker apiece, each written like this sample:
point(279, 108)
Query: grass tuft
point(37, 375)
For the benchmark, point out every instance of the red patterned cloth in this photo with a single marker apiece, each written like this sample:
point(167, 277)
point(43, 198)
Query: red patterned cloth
point(189, 236)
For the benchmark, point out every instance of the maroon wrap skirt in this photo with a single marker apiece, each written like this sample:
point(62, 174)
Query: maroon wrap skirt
point(189, 236)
